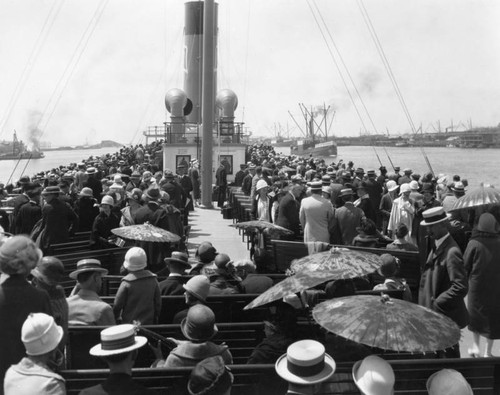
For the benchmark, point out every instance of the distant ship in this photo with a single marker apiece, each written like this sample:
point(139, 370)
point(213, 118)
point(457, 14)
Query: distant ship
point(317, 142)
point(16, 149)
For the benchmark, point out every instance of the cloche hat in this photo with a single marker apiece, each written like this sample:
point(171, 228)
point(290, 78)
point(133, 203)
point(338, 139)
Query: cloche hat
point(40, 334)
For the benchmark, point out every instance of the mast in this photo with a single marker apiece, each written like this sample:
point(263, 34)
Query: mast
point(207, 107)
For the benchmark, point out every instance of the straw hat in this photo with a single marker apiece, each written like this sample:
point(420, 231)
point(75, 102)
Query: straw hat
point(118, 339)
point(305, 363)
point(87, 265)
point(433, 216)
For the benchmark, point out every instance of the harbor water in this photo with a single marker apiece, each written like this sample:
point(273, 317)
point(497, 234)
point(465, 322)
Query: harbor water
point(476, 165)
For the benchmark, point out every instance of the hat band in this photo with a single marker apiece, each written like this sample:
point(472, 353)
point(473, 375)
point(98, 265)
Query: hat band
point(305, 371)
point(117, 344)
point(435, 218)
point(88, 266)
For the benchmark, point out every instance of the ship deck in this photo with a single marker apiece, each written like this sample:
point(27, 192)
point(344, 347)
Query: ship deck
point(208, 225)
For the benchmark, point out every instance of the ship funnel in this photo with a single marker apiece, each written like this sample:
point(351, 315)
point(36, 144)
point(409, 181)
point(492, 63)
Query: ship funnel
point(177, 103)
point(226, 101)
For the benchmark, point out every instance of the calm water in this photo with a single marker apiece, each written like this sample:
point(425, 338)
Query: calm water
point(477, 165)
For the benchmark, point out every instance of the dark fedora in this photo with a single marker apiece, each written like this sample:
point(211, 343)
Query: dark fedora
point(179, 258)
point(152, 194)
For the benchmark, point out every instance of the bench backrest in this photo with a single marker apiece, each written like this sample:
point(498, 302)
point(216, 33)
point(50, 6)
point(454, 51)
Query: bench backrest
point(483, 374)
point(227, 308)
point(241, 338)
point(110, 259)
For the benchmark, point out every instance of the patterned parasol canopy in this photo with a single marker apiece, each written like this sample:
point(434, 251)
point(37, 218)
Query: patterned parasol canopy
point(478, 197)
point(344, 262)
point(315, 269)
point(260, 226)
point(146, 232)
point(386, 323)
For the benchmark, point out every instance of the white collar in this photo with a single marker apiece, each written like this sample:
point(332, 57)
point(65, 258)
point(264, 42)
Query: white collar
point(440, 241)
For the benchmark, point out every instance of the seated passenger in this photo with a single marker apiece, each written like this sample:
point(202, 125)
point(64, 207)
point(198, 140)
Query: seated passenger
point(373, 375)
point(138, 297)
point(32, 375)
point(251, 283)
point(118, 348)
point(85, 307)
point(401, 243)
point(196, 292)
point(388, 270)
point(198, 327)
point(177, 265)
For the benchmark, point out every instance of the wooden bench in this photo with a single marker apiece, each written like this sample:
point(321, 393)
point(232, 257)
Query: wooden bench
point(110, 283)
point(227, 308)
point(483, 374)
point(241, 338)
point(284, 252)
point(110, 259)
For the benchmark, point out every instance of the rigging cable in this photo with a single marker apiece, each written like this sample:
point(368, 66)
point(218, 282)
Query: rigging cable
point(325, 26)
point(71, 66)
point(28, 67)
point(390, 73)
point(337, 67)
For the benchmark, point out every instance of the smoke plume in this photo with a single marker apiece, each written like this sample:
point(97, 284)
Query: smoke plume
point(34, 133)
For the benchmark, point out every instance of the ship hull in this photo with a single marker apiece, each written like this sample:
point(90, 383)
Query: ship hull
point(25, 155)
point(322, 149)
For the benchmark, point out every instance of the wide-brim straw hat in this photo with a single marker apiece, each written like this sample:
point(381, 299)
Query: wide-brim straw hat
point(118, 339)
point(88, 265)
point(305, 363)
point(434, 216)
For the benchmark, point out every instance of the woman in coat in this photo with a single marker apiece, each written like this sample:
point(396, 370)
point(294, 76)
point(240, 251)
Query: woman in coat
point(18, 256)
point(482, 267)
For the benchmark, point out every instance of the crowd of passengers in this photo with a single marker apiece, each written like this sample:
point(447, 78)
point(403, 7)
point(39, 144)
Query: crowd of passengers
point(322, 204)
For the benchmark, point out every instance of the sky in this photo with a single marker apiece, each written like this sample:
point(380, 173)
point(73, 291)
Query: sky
point(80, 71)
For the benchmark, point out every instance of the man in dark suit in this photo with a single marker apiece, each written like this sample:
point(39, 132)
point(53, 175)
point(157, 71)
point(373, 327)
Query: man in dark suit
point(59, 220)
point(246, 186)
point(21, 199)
point(93, 183)
point(177, 265)
point(240, 175)
point(174, 190)
point(221, 182)
point(29, 213)
point(288, 210)
point(443, 284)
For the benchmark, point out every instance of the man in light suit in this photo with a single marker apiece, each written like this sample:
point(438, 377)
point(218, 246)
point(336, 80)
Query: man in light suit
point(316, 215)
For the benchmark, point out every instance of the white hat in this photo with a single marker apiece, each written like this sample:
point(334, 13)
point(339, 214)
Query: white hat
point(414, 185)
point(391, 185)
point(261, 184)
point(305, 363)
point(448, 382)
point(135, 259)
point(404, 188)
point(433, 216)
point(107, 200)
point(374, 376)
point(116, 185)
point(118, 339)
point(40, 334)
